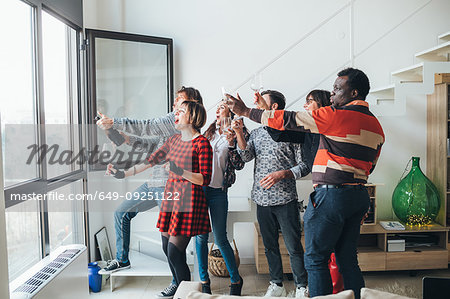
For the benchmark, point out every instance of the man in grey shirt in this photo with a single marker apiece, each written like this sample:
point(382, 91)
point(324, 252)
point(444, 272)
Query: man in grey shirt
point(277, 166)
point(161, 126)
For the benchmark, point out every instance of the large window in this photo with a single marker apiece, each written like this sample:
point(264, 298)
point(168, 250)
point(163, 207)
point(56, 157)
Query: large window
point(23, 237)
point(41, 115)
point(65, 218)
point(59, 48)
point(18, 109)
point(40, 106)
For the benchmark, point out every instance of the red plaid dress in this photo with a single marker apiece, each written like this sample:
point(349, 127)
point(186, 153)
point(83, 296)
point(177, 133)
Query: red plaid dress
point(184, 210)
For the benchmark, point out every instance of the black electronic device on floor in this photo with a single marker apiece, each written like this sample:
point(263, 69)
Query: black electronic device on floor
point(436, 288)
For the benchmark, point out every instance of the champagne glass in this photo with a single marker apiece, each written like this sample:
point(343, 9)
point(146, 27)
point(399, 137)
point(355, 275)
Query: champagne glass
point(226, 124)
point(224, 92)
point(256, 84)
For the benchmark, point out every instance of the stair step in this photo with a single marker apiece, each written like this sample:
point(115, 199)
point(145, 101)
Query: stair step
point(148, 243)
point(445, 36)
point(411, 73)
point(383, 94)
point(437, 53)
point(385, 89)
point(144, 265)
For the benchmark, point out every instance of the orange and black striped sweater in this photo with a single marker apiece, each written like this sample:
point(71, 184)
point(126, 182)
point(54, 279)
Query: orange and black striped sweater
point(350, 139)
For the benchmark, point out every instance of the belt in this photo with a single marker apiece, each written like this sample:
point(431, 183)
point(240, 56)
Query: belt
point(337, 186)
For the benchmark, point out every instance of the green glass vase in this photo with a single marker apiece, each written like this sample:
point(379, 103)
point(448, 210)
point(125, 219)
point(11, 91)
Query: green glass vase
point(415, 200)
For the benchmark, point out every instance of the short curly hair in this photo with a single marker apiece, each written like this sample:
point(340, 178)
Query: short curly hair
point(356, 80)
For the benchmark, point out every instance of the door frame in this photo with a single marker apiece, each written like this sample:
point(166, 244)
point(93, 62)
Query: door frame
point(91, 35)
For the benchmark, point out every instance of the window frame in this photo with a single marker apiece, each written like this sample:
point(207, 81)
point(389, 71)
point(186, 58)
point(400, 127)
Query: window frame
point(91, 35)
point(41, 184)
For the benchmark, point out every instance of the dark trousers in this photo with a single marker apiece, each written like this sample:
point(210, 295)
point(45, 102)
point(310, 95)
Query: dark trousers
point(287, 218)
point(332, 223)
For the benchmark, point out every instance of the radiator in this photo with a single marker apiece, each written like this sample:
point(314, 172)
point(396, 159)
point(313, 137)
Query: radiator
point(62, 274)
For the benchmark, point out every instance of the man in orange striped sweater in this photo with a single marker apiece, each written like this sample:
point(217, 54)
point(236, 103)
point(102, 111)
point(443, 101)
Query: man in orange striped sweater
point(350, 143)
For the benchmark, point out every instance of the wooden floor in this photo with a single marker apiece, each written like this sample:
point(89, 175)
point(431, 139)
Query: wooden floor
point(255, 284)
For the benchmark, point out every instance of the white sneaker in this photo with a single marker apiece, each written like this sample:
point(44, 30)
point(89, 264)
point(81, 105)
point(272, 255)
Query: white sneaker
point(275, 291)
point(301, 292)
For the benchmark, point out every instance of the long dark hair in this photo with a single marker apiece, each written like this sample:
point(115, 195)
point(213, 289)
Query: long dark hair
point(209, 133)
point(320, 96)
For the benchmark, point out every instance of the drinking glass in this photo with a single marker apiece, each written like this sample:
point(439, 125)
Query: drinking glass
point(256, 84)
point(224, 92)
point(226, 124)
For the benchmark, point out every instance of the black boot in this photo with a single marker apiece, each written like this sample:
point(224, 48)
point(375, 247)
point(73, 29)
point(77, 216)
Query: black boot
point(236, 288)
point(206, 287)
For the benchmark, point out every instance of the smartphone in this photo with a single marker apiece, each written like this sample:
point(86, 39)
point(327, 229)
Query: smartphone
point(112, 134)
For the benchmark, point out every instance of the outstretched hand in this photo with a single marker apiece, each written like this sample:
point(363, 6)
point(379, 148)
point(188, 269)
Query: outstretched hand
point(260, 103)
point(104, 122)
point(237, 105)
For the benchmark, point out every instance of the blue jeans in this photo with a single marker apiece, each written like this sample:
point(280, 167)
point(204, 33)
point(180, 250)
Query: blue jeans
point(141, 201)
point(217, 200)
point(286, 217)
point(332, 223)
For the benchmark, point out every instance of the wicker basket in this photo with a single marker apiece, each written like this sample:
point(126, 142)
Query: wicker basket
point(216, 263)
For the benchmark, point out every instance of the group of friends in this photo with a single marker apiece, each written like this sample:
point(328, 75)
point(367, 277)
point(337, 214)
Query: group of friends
point(336, 138)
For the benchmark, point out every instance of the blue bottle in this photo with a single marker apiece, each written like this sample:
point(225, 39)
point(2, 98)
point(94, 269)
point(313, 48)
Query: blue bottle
point(95, 279)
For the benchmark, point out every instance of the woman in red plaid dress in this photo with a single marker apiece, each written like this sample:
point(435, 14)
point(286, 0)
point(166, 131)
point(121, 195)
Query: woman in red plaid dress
point(184, 211)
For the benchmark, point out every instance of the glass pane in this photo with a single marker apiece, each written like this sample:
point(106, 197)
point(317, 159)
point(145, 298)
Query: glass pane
point(59, 68)
point(131, 81)
point(65, 215)
point(131, 78)
point(22, 235)
point(18, 116)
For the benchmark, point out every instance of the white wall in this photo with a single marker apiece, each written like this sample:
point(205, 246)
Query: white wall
point(222, 43)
